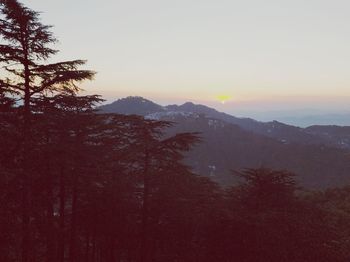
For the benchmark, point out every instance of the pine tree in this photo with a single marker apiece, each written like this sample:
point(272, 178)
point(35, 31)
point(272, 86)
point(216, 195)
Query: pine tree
point(26, 45)
point(24, 51)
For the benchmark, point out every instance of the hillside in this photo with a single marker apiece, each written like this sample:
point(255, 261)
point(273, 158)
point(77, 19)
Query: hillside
point(231, 143)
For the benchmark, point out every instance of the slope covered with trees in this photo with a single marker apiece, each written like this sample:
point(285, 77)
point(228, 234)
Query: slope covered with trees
point(228, 144)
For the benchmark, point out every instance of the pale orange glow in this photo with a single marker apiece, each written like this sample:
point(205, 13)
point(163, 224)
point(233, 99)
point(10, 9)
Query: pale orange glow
point(223, 98)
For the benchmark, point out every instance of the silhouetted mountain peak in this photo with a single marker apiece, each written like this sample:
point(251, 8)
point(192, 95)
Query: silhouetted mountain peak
point(132, 105)
point(189, 104)
point(194, 108)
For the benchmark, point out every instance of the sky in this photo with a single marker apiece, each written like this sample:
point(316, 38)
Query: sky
point(258, 56)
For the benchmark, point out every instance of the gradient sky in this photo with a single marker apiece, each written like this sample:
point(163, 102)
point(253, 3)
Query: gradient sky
point(265, 55)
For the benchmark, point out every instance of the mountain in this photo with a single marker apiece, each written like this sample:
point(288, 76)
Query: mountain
point(226, 147)
point(319, 119)
point(231, 143)
point(274, 129)
point(337, 135)
point(132, 105)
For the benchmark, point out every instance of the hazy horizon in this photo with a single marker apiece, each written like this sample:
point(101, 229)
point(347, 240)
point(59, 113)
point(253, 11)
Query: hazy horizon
point(302, 117)
point(259, 56)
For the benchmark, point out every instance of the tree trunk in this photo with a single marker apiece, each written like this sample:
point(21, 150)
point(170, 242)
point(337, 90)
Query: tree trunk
point(26, 175)
point(73, 227)
point(93, 255)
point(144, 230)
point(50, 221)
point(87, 246)
point(62, 196)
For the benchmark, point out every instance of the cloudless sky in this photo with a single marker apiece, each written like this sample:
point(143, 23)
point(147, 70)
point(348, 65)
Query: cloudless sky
point(268, 55)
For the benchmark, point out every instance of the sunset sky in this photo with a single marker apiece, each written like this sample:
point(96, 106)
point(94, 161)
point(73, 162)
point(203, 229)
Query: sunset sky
point(258, 55)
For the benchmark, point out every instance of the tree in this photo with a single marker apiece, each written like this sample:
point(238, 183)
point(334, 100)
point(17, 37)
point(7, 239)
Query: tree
point(26, 45)
point(272, 223)
point(161, 157)
point(264, 188)
point(24, 49)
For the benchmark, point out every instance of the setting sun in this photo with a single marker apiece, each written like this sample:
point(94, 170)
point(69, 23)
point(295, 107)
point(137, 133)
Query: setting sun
point(223, 98)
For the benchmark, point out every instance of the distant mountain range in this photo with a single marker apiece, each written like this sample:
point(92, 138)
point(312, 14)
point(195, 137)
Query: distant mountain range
point(319, 155)
point(306, 118)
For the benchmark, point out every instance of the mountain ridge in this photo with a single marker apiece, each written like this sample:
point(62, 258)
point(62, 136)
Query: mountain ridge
point(231, 143)
point(274, 129)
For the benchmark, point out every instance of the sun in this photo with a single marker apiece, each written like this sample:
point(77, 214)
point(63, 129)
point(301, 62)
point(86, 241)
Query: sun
point(223, 98)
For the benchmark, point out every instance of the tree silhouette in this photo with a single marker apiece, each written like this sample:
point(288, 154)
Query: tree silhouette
point(25, 46)
point(273, 223)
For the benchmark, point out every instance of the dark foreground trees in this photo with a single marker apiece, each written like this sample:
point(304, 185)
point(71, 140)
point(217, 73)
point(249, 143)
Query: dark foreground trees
point(95, 183)
point(274, 223)
point(24, 49)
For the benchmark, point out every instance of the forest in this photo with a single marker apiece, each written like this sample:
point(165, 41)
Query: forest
point(77, 185)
